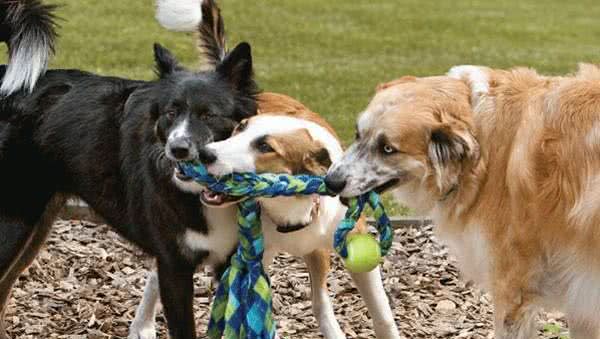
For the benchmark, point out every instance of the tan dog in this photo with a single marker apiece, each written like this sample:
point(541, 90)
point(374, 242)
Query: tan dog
point(285, 137)
point(508, 164)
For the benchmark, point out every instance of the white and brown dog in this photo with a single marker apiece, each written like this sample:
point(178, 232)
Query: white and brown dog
point(285, 137)
point(508, 165)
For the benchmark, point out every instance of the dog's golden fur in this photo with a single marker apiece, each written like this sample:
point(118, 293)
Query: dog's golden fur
point(515, 189)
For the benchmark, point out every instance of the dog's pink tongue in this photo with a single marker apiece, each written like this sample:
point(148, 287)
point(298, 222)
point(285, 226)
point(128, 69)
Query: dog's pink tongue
point(212, 197)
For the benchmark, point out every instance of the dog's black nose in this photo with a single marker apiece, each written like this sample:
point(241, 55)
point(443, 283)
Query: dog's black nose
point(335, 183)
point(180, 152)
point(180, 149)
point(206, 156)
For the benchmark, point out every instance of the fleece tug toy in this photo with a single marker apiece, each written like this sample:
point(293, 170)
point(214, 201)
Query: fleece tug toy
point(242, 304)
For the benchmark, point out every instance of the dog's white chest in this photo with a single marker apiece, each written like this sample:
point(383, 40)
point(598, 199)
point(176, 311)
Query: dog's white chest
point(471, 250)
point(222, 236)
point(317, 235)
point(298, 243)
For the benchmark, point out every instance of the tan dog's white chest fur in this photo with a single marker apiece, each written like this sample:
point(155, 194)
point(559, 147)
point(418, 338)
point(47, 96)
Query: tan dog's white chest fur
point(471, 250)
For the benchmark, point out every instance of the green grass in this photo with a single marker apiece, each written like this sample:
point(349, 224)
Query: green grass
point(331, 54)
point(556, 331)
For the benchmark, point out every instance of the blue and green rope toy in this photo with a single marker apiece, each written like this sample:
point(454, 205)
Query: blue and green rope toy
point(242, 306)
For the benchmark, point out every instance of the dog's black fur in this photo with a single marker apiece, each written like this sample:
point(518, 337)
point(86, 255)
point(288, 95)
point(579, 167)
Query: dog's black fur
point(103, 139)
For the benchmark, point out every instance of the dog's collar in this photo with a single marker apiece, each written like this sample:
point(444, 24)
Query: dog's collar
point(314, 214)
point(316, 209)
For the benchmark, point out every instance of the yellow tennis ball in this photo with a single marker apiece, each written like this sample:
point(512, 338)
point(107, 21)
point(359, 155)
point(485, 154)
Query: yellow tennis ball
point(364, 253)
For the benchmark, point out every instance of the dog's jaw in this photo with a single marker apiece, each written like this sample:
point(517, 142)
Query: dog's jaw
point(189, 186)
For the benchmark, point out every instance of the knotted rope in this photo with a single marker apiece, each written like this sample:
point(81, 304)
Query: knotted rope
point(243, 302)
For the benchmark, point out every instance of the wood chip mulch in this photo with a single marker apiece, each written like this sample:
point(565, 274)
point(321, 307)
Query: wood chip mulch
point(87, 282)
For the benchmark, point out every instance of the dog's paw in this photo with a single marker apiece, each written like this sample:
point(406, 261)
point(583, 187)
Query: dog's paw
point(138, 332)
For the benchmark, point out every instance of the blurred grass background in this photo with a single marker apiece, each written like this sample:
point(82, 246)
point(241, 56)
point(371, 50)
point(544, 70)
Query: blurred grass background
point(331, 54)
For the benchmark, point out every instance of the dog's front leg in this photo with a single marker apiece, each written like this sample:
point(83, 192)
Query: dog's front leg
point(176, 283)
point(515, 281)
point(514, 321)
point(143, 325)
point(514, 304)
point(318, 266)
point(373, 293)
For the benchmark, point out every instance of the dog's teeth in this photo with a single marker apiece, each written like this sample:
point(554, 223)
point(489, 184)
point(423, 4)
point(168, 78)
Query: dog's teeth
point(213, 197)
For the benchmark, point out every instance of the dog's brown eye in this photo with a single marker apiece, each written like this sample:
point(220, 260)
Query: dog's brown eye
point(261, 145)
point(264, 147)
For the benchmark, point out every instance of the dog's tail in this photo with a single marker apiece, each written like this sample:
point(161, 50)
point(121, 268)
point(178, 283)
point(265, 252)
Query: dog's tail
point(179, 15)
point(28, 27)
point(202, 16)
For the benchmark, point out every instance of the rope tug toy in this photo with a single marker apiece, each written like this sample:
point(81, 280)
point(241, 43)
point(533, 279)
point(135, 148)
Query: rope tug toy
point(242, 306)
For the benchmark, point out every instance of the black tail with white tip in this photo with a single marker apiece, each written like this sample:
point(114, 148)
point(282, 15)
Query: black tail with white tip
point(28, 28)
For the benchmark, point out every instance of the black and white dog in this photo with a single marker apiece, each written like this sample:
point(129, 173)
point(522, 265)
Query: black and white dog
point(112, 142)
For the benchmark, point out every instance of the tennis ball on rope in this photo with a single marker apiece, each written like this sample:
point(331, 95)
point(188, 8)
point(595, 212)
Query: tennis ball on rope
point(361, 252)
point(364, 253)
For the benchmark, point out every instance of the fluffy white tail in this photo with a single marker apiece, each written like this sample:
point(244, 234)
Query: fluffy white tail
point(179, 15)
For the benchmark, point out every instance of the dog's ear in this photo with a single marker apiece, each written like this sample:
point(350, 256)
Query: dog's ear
point(166, 63)
point(237, 69)
point(449, 151)
point(317, 161)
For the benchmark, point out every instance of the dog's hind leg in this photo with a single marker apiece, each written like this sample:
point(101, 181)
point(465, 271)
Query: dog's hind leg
point(318, 263)
point(3, 334)
point(19, 245)
point(373, 293)
point(17, 241)
point(143, 325)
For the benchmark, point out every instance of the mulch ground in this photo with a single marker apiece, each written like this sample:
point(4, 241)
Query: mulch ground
point(87, 283)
